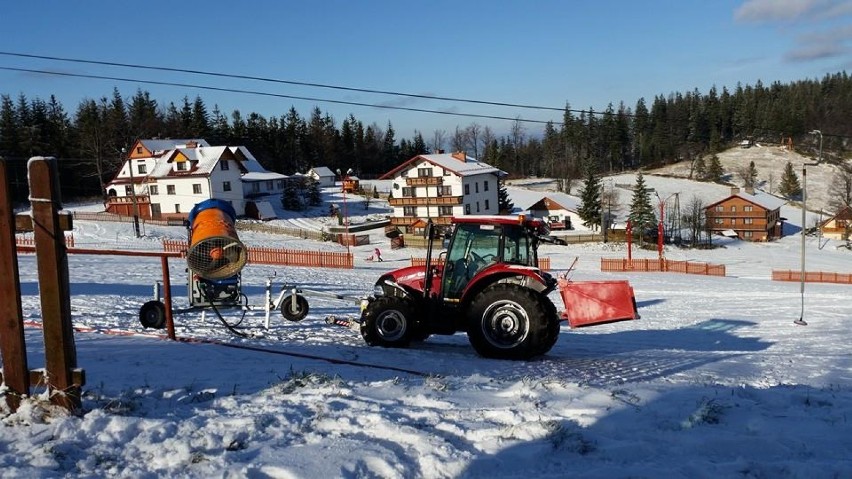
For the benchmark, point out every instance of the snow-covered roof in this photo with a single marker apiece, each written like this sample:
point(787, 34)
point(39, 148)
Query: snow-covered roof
point(158, 145)
point(524, 199)
point(322, 171)
point(262, 176)
point(759, 198)
point(451, 162)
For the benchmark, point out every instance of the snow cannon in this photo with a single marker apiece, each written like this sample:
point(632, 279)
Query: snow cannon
point(215, 251)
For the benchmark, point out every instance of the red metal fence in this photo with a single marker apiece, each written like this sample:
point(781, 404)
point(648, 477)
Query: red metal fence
point(281, 257)
point(812, 276)
point(543, 263)
point(688, 267)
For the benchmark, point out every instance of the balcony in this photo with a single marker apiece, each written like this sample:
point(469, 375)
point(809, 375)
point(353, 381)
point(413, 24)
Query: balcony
point(410, 220)
point(425, 181)
point(426, 201)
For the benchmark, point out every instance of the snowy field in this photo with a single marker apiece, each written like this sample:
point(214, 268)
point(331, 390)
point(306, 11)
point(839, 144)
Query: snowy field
point(715, 379)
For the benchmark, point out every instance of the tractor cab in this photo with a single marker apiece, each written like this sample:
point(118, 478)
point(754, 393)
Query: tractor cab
point(483, 246)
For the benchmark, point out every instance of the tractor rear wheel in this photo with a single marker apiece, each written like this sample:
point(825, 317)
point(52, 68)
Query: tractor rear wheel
point(508, 321)
point(388, 322)
point(553, 326)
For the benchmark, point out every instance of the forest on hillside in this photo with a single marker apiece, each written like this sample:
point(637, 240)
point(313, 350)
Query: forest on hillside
point(670, 128)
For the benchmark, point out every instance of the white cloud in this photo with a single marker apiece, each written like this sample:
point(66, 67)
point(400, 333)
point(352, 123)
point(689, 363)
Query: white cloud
point(778, 10)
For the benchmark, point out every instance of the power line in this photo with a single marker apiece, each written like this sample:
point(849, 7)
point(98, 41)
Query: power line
point(276, 95)
point(287, 82)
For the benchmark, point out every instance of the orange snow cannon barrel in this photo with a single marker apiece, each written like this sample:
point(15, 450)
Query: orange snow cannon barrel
point(215, 251)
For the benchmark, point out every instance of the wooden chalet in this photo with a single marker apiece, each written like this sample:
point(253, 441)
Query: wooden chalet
point(750, 215)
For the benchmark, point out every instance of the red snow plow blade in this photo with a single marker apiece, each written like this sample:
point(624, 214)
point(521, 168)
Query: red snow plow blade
point(597, 302)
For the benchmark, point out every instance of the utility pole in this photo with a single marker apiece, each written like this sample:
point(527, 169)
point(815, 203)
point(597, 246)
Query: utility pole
point(133, 190)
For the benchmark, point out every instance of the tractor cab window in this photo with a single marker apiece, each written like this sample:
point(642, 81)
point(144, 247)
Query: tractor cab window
point(516, 247)
point(473, 247)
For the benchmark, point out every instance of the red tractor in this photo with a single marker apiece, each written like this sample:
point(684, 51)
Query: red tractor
point(488, 284)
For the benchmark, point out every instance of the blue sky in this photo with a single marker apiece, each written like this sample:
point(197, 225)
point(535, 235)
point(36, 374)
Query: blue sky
point(547, 52)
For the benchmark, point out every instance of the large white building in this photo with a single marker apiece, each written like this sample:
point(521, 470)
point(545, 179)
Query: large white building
point(440, 186)
point(164, 179)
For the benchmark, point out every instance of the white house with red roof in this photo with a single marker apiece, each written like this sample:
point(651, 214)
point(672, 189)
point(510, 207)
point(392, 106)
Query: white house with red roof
point(164, 179)
point(440, 186)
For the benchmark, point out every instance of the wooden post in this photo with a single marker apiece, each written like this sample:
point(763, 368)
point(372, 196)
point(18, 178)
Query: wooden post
point(54, 289)
point(12, 345)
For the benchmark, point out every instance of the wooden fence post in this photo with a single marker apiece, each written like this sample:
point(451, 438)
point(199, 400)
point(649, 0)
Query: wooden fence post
point(54, 290)
point(12, 344)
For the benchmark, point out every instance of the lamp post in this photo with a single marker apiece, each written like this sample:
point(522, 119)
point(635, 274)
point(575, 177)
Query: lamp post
point(133, 193)
point(801, 321)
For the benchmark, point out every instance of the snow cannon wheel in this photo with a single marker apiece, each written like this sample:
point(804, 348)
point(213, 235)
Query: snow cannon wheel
point(388, 322)
point(507, 321)
point(294, 312)
point(153, 315)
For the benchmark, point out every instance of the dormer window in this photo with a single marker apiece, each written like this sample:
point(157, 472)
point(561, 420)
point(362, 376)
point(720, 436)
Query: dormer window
point(223, 165)
point(181, 166)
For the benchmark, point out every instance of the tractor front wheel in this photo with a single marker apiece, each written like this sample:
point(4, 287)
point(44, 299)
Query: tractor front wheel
point(388, 322)
point(508, 321)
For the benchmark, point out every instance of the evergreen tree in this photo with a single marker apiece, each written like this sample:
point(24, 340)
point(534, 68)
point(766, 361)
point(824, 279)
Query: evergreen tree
point(699, 169)
point(590, 196)
point(504, 203)
point(314, 194)
point(789, 187)
point(291, 198)
point(641, 211)
point(714, 170)
point(750, 176)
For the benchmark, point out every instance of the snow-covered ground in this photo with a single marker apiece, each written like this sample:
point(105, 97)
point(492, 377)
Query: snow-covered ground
point(715, 379)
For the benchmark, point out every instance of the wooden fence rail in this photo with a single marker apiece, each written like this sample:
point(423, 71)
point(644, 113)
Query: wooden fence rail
point(812, 276)
point(280, 256)
point(647, 265)
point(30, 241)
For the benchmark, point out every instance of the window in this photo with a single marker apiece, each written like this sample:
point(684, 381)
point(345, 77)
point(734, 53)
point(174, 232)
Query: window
point(223, 165)
point(408, 191)
point(280, 184)
point(181, 166)
point(154, 190)
point(477, 207)
point(748, 208)
point(196, 188)
point(476, 186)
point(128, 190)
point(719, 221)
point(177, 207)
point(226, 186)
point(139, 150)
point(748, 221)
point(141, 168)
point(445, 191)
point(486, 205)
point(733, 221)
point(424, 172)
point(445, 211)
point(170, 189)
point(255, 187)
point(446, 172)
point(747, 234)
point(720, 208)
point(485, 186)
point(269, 185)
point(408, 211)
point(733, 209)
point(467, 189)
point(467, 209)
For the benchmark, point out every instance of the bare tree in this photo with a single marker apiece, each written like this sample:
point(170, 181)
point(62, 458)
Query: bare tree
point(473, 133)
point(695, 219)
point(439, 137)
point(459, 139)
point(840, 189)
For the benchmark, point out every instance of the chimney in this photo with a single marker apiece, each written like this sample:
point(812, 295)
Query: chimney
point(460, 155)
point(192, 144)
point(735, 190)
point(749, 190)
point(439, 151)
